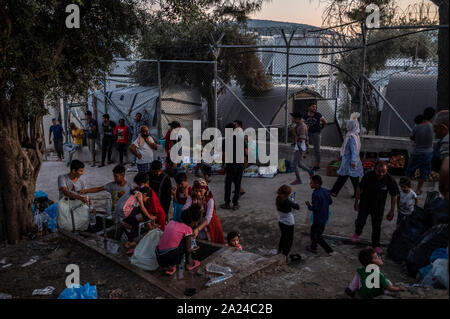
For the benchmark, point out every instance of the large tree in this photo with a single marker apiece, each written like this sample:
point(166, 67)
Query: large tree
point(40, 59)
point(186, 31)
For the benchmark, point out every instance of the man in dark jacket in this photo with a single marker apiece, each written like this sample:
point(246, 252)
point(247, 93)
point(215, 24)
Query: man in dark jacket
point(161, 185)
point(372, 191)
point(321, 201)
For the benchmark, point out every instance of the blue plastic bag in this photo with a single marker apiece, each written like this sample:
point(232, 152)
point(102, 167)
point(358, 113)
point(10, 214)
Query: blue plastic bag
point(79, 292)
point(39, 194)
point(52, 212)
point(177, 209)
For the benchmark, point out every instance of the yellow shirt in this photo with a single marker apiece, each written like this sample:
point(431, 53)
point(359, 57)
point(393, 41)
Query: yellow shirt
point(77, 135)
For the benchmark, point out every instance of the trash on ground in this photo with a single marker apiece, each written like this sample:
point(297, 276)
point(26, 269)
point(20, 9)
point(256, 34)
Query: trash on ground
point(216, 280)
point(6, 266)
point(214, 268)
point(116, 294)
point(43, 292)
point(79, 292)
point(31, 261)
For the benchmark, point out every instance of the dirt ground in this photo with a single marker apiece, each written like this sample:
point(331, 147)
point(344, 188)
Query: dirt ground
point(256, 221)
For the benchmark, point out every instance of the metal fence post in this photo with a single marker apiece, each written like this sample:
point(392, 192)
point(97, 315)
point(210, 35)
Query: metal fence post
point(363, 72)
point(159, 104)
point(286, 110)
point(216, 111)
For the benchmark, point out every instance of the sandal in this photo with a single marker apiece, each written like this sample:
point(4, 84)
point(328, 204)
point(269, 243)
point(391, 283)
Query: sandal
point(171, 270)
point(195, 265)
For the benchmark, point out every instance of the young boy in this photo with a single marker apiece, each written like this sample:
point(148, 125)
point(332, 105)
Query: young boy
point(358, 287)
point(180, 194)
point(117, 189)
point(321, 201)
point(161, 184)
point(233, 240)
point(406, 200)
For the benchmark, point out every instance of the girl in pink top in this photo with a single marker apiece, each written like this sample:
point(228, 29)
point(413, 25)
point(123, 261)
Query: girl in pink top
point(176, 241)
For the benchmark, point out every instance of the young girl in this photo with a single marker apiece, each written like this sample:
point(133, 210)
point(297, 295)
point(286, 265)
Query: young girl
point(176, 241)
point(233, 240)
point(285, 219)
point(209, 226)
point(180, 194)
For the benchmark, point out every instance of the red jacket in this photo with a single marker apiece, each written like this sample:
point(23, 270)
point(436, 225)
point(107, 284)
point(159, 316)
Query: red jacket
point(154, 207)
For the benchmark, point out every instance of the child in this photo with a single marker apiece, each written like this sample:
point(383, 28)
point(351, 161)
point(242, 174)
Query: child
point(138, 214)
point(176, 241)
point(285, 219)
point(233, 240)
point(358, 287)
point(406, 200)
point(321, 201)
point(418, 119)
point(180, 195)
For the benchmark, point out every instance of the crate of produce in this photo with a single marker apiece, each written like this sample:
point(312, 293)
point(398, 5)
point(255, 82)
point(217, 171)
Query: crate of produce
point(433, 177)
point(398, 162)
point(333, 167)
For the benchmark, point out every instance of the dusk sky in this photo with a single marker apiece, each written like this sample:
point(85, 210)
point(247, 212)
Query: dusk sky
point(302, 11)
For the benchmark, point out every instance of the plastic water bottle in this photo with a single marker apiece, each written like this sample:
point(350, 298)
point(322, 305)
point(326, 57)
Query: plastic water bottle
point(108, 206)
point(216, 280)
point(193, 243)
point(92, 219)
point(181, 267)
point(218, 269)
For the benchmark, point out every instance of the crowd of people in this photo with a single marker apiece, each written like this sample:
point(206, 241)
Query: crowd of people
point(194, 206)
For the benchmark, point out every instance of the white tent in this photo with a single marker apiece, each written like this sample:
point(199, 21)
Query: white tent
point(178, 103)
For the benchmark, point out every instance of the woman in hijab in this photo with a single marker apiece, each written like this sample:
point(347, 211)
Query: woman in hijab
point(351, 165)
point(209, 227)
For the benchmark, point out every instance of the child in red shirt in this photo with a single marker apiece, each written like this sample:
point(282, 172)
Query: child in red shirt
point(121, 131)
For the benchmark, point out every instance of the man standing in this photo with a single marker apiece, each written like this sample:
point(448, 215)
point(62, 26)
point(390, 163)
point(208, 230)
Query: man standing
point(140, 120)
point(121, 132)
point(108, 127)
point(161, 185)
point(92, 133)
point(77, 138)
point(58, 133)
point(143, 148)
point(315, 122)
point(422, 157)
point(301, 147)
point(238, 126)
point(373, 190)
point(169, 144)
point(233, 171)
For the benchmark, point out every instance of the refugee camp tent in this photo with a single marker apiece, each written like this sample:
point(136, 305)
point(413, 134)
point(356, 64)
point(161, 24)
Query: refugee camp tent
point(177, 103)
point(410, 94)
point(269, 108)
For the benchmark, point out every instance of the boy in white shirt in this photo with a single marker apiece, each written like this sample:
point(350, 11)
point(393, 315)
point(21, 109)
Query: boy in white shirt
point(407, 199)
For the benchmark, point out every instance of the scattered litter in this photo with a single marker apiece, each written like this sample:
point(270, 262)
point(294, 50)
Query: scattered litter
point(43, 292)
point(116, 294)
point(31, 261)
point(214, 268)
point(5, 296)
point(273, 252)
point(216, 280)
point(79, 292)
point(6, 266)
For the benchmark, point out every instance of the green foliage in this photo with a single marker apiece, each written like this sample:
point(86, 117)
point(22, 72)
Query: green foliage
point(186, 33)
point(42, 58)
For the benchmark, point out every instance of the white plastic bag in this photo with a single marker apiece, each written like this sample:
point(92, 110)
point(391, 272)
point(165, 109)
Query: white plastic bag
point(438, 274)
point(80, 215)
point(144, 255)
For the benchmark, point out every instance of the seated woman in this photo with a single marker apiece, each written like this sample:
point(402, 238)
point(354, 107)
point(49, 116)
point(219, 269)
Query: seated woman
point(208, 227)
point(176, 241)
